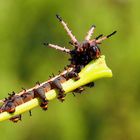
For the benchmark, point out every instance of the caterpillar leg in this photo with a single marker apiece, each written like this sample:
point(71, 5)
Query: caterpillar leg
point(30, 113)
point(72, 74)
point(56, 83)
point(40, 92)
point(16, 118)
point(79, 90)
point(90, 84)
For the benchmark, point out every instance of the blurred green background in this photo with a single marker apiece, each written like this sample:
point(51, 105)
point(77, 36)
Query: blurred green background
point(110, 110)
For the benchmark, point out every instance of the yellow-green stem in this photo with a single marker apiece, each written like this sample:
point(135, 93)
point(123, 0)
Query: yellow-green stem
point(94, 70)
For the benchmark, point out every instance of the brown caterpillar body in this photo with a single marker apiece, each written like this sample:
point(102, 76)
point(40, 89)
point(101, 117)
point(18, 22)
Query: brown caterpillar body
point(81, 55)
point(10, 103)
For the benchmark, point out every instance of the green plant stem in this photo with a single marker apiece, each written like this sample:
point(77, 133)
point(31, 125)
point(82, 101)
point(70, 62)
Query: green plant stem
point(94, 70)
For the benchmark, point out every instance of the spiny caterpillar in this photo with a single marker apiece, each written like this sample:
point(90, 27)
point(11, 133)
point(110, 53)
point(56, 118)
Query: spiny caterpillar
point(80, 56)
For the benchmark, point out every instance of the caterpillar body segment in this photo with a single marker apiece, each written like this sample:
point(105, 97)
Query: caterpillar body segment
point(57, 84)
point(17, 100)
point(40, 93)
point(8, 106)
point(71, 74)
point(27, 96)
point(46, 87)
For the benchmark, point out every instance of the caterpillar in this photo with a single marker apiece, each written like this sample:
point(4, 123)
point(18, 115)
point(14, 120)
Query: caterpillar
point(81, 54)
